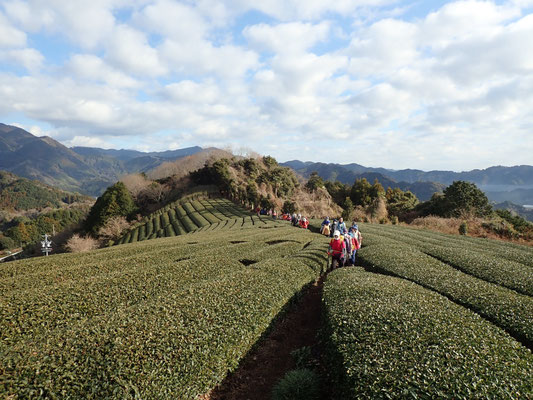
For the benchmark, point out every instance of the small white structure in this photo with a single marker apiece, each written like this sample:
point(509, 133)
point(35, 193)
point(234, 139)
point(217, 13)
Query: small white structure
point(46, 244)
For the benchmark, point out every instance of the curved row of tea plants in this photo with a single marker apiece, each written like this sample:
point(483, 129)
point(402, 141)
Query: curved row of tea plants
point(495, 249)
point(159, 319)
point(187, 215)
point(388, 338)
point(504, 307)
point(463, 256)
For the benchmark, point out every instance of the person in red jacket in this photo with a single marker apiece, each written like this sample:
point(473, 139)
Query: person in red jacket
point(337, 250)
point(304, 223)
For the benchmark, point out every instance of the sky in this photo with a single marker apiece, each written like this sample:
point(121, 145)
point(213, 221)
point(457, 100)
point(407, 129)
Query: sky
point(382, 83)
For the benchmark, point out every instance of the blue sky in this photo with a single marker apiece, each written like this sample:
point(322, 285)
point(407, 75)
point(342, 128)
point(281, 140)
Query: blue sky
point(395, 84)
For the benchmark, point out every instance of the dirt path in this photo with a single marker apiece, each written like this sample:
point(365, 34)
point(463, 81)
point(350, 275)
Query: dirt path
point(265, 366)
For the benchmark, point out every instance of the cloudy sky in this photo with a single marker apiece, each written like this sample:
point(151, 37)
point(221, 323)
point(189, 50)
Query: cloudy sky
point(396, 84)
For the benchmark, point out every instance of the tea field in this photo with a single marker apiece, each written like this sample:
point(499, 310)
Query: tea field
point(191, 214)
point(424, 315)
point(431, 316)
point(164, 318)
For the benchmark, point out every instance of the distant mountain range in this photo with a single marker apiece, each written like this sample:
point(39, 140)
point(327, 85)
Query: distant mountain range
point(91, 170)
point(501, 184)
point(85, 170)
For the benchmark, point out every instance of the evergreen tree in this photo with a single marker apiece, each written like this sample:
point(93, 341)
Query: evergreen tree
point(116, 201)
point(314, 182)
point(462, 198)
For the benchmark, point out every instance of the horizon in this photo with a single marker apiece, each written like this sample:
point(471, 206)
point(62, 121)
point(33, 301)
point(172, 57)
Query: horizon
point(290, 160)
point(443, 85)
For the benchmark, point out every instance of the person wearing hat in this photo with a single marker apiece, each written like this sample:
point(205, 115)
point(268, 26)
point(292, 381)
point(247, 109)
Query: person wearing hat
point(337, 250)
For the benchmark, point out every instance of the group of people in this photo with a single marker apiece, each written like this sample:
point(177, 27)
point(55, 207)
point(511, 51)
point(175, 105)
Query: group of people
point(344, 243)
point(298, 220)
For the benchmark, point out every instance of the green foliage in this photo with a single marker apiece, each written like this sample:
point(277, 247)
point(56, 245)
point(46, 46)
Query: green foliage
point(289, 207)
point(18, 193)
point(6, 243)
point(463, 228)
point(400, 202)
point(347, 208)
point(270, 162)
point(389, 338)
point(519, 223)
point(225, 174)
point(187, 215)
point(314, 182)
point(31, 230)
point(361, 192)
point(144, 320)
point(338, 191)
point(252, 194)
point(116, 201)
point(298, 384)
point(465, 197)
point(505, 307)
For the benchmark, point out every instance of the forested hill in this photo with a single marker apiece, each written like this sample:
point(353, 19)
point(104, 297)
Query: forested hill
point(21, 194)
point(500, 183)
point(80, 169)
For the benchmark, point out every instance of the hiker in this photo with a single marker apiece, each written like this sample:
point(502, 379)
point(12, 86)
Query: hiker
point(337, 250)
point(304, 223)
point(274, 214)
point(333, 227)
point(348, 243)
point(358, 236)
point(355, 244)
point(294, 220)
point(342, 226)
point(324, 227)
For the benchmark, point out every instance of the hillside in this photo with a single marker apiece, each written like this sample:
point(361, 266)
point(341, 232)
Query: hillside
point(80, 169)
point(21, 194)
point(500, 183)
point(187, 310)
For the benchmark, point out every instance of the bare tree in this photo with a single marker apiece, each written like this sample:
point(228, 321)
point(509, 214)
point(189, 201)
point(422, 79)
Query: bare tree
point(135, 183)
point(77, 244)
point(113, 228)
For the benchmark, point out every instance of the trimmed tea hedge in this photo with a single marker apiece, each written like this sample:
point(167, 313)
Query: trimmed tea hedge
point(506, 308)
point(388, 338)
point(157, 319)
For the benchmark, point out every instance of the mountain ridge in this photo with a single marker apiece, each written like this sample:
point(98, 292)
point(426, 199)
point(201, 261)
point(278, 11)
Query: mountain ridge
point(86, 170)
point(500, 183)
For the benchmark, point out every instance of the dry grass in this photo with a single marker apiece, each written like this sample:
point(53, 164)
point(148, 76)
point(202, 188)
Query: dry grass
point(78, 244)
point(317, 204)
point(476, 227)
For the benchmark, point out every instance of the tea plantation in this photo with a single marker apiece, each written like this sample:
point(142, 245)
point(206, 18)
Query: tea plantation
point(157, 319)
point(424, 315)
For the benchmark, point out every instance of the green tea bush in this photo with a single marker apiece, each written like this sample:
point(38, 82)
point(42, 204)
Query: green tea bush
point(145, 319)
point(506, 308)
point(388, 338)
point(298, 384)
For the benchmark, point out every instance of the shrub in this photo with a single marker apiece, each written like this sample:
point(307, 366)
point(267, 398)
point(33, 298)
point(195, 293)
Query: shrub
point(298, 384)
point(6, 243)
point(78, 244)
point(388, 338)
point(463, 228)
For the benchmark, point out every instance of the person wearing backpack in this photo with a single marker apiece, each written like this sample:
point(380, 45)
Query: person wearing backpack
point(355, 244)
point(337, 250)
point(348, 245)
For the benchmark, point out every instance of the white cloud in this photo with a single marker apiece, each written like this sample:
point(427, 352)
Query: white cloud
point(30, 59)
point(91, 67)
point(294, 37)
point(426, 91)
point(129, 49)
point(10, 36)
point(383, 48)
point(173, 20)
